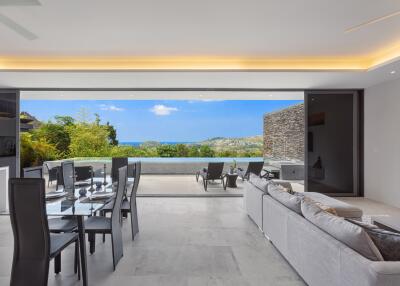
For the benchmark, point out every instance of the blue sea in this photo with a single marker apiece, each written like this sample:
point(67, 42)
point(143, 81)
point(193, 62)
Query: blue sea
point(137, 144)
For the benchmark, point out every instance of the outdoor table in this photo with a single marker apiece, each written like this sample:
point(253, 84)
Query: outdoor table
point(231, 180)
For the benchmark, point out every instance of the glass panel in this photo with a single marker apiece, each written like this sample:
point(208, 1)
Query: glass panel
point(330, 143)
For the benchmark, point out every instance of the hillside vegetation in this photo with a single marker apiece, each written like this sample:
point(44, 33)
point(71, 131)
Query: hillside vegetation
point(67, 137)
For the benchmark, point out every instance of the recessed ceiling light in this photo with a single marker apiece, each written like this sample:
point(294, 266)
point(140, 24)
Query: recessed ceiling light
point(270, 95)
point(392, 72)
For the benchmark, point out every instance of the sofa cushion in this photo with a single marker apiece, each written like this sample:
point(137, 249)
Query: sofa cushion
point(387, 242)
point(346, 232)
point(280, 194)
point(262, 183)
point(342, 209)
point(259, 183)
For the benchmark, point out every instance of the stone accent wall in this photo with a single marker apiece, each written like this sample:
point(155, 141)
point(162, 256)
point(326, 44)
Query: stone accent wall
point(284, 133)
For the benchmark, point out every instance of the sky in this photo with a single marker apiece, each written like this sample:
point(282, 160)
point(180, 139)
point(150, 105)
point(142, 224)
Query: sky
point(167, 120)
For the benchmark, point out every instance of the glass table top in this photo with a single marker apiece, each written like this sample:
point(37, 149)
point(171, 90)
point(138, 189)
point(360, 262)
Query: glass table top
point(84, 205)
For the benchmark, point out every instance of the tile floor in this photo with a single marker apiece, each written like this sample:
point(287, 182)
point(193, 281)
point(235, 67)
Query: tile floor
point(184, 241)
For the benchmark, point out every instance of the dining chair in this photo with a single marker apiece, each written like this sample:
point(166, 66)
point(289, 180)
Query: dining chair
point(130, 206)
point(34, 246)
point(105, 225)
point(53, 173)
point(33, 172)
point(117, 162)
point(83, 173)
point(65, 224)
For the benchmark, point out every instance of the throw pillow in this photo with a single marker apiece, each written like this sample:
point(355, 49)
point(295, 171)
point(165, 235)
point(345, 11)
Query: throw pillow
point(387, 242)
point(348, 233)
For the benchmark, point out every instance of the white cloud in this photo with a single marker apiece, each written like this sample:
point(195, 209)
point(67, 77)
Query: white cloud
point(110, 107)
point(162, 110)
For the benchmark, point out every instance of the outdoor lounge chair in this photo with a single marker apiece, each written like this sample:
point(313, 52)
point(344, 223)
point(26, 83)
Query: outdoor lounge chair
point(253, 167)
point(213, 172)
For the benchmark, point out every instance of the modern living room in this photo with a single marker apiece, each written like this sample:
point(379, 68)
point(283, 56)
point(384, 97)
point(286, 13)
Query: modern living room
point(342, 227)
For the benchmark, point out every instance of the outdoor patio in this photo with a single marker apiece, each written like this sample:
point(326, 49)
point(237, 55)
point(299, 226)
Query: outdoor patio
point(186, 185)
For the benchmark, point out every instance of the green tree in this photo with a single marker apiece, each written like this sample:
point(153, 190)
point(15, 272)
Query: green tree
point(194, 151)
point(165, 150)
point(54, 134)
point(182, 150)
point(206, 151)
point(35, 152)
point(89, 140)
point(112, 134)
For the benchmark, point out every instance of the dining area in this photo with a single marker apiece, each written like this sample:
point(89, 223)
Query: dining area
point(89, 204)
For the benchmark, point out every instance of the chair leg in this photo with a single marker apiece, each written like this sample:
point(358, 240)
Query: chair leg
point(205, 185)
point(224, 184)
point(77, 264)
point(92, 242)
point(57, 263)
point(104, 237)
point(134, 221)
point(197, 177)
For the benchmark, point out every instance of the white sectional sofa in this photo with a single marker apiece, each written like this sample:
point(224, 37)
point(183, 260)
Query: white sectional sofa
point(318, 257)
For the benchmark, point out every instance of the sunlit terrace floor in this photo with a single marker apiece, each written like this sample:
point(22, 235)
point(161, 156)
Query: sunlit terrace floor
point(186, 185)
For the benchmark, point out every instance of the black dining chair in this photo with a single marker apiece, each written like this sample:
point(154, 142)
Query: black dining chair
point(83, 173)
point(130, 206)
point(33, 172)
point(253, 168)
point(53, 174)
point(34, 246)
point(65, 224)
point(117, 162)
point(105, 225)
point(213, 172)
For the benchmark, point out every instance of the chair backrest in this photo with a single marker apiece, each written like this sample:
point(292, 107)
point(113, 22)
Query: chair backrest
point(31, 232)
point(214, 170)
point(122, 178)
point(33, 172)
point(83, 173)
point(68, 173)
point(138, 167)
point(117, 162)
point(255, 168)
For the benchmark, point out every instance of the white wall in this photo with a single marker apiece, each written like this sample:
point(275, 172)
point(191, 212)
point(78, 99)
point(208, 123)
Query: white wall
point(382, 143)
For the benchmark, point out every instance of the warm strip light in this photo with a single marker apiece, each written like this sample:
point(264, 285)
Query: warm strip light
point(180, 63)
point(373, 21)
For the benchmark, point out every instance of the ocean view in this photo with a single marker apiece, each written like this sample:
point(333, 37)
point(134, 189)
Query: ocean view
point(137, 144)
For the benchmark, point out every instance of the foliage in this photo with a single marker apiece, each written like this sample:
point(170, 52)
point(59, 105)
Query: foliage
point(68, 137)
point(35, 152)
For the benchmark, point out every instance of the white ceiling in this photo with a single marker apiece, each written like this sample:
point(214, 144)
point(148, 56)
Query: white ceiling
point(265, 28)
point(273, 28)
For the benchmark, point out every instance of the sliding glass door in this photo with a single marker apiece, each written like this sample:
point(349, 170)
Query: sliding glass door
point(333, 142)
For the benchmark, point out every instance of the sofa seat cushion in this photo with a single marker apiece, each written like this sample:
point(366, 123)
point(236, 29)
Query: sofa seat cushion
point(342, 209)
point(346, 232)
point(280, 194)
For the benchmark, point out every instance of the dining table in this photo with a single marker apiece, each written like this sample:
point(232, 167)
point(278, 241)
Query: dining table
point(88, 198)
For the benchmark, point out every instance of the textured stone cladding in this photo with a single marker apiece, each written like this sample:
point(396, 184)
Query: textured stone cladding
point(284, 133)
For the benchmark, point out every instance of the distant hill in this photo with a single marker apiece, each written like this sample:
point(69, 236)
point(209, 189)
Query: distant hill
point(240, 142)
